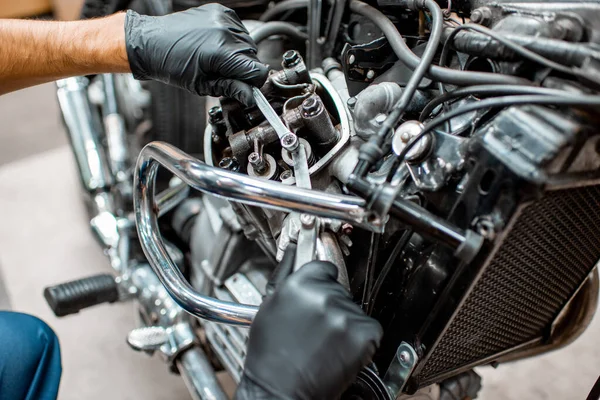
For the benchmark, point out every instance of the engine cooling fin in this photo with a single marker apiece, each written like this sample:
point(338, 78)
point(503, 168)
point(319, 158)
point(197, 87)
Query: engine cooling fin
point(551, 248)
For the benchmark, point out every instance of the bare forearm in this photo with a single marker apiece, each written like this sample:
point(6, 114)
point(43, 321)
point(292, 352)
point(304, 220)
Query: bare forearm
point(34, 52)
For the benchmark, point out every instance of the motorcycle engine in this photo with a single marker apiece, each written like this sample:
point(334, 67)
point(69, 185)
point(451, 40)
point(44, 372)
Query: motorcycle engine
point(520, 182)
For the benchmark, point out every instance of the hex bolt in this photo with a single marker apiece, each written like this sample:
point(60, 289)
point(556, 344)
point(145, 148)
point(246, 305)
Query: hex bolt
point(311, 106)
point(290, 58)
point(307, 220)
point(482, 16)
point(257, 162)
point(370, 74)
point(229, 163)
point(215, 114)
point(351, 59)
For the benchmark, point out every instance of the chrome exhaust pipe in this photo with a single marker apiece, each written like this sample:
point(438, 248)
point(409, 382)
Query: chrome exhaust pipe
point(234, 187)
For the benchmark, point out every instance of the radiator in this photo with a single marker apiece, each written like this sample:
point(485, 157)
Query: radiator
point(549, 251)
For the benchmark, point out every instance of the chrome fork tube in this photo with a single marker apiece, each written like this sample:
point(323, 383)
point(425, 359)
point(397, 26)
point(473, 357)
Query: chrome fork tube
point(82, 128)
point(114, 126)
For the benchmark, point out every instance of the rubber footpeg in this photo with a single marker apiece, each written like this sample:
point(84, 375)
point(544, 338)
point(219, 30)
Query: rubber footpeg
point(71, 297)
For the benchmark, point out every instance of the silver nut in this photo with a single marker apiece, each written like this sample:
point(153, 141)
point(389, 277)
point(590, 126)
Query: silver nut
point(351, 59)
point(370, 74)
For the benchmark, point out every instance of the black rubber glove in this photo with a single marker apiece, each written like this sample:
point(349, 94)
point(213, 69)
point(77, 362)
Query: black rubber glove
point(205, 50)
point(308, 341)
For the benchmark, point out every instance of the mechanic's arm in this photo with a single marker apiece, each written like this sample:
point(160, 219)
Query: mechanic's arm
point(34, 52)
point(205, 50)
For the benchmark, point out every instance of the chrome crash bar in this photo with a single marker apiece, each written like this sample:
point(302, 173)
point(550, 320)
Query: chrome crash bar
point(232, 186)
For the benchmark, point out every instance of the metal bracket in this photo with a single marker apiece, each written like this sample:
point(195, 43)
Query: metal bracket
point(400, 369)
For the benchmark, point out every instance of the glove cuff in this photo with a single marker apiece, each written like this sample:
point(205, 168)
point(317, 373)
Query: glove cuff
point(135, 46)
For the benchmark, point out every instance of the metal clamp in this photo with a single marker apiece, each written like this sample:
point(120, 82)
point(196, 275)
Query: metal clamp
point(400, 369)
point(234, 187)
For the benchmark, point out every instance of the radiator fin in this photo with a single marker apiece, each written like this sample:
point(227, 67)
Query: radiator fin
point(550, 250)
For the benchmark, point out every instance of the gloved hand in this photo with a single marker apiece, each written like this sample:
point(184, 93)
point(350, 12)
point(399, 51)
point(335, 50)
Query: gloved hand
point(308, 340)
point(205, 50)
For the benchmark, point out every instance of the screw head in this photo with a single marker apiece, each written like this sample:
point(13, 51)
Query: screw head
point(404, 358)
point(311, 106)
point(289, 142)
point(290, 58)
point(370, 74)
point(253, 157)
point(351, 59)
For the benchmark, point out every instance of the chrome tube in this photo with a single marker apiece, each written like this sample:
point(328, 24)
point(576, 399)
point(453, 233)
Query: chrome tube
point(199, 376)
point(166, 270)
point(114, 127)
point(244, 189)
point(82, 129)
point(232, 186)
point(328, 249)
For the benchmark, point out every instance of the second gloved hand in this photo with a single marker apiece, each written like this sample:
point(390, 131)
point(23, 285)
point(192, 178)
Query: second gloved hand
point(205, 50)
point(308, 340)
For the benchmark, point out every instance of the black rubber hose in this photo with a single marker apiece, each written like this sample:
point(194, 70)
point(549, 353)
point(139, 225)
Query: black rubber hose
point(567, 53)
point(372, 150)
point(277, 28)
point(281, 7)
point(517, 48)
point(487, 90)
point(411, 60)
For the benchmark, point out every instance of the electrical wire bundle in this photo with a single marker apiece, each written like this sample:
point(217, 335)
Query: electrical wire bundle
point(501, 90)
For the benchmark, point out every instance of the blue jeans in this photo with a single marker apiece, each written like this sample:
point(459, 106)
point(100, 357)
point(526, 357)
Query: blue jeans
point(29, 358)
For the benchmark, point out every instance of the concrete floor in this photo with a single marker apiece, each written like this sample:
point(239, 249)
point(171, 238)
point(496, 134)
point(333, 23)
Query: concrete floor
point(44, 239)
